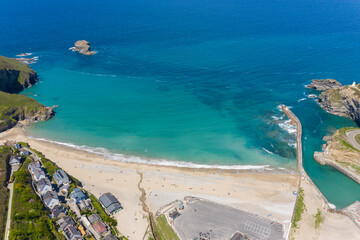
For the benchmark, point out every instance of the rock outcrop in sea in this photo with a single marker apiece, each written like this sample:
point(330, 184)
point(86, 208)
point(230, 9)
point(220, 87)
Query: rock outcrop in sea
point(15, 76)
point(337, 99)
point(324, 84)
point(83, 47)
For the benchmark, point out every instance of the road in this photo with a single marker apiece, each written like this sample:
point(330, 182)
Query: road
point(8, 219)
point(351, 137)
point(11, 191)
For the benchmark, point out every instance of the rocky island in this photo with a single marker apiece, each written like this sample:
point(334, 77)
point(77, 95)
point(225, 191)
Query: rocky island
point(338, 99)
point(15, 77)
point(83, 47)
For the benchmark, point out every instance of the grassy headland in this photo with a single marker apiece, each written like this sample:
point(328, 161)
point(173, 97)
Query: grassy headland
point(14, 77)
point(14, 107)
point(21, 71)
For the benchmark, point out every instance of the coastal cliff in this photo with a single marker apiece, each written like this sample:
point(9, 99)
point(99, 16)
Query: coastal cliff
point(340, 153)
point(15, 77)
point(337, 99)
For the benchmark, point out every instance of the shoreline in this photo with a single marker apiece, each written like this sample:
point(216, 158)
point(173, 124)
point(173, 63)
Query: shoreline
point(141, 160)
point(265, 193)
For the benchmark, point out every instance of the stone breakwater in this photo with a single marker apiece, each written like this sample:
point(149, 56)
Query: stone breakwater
point(324, 159)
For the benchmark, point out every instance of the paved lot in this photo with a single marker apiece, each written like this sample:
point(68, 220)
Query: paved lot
point(214, 221)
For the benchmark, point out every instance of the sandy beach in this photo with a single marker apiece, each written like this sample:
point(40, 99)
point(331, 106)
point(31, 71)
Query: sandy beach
point(268, 194)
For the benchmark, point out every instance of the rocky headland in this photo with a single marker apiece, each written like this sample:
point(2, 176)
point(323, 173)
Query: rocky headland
point(338, 99)
point(83, 47)
point(341, 152)
point(323, 84)
point(15, 77)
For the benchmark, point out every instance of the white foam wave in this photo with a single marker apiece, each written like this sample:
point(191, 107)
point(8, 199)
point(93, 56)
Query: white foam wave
point(291, 129)
point(302, 99)
point(160, 162)
point(332, 206)
point(268, 151)
point(24, 54)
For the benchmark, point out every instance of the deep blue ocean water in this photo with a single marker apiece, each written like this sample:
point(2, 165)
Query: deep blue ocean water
point(190, 81)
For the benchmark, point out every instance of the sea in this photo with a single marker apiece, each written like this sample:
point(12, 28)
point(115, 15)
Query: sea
point(194, 83)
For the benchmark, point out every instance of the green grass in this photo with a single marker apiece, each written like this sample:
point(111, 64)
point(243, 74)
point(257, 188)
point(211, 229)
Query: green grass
point(299, 208)
point(319, 219)
point(14, 107)
point(5, 153)
point(51, 167)
point(164, 230)
point(29, 218)
point(335, 95)
point(99, 210)
point(24, 69)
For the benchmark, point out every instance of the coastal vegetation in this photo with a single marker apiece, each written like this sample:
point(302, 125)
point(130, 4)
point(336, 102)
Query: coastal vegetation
point(164, 230)
point(341, 151)
point(299, 208)
point(15, 76)
point(319, 218)
point(51, 167)
point(29, 218)
point(14, 107)
point(4, 194)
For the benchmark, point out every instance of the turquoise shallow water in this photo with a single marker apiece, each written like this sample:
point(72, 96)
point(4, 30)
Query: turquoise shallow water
point(193, 82)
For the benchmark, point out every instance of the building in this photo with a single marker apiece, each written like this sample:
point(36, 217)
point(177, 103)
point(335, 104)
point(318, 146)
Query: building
point(110, 237)
point(100, 227)
point(17, 145)
point(71, 232)
point(38, 174)
point(93, 218)
point(24, 152)
point(110, 203)
point(15, 160)
point(44, 185)
point(64, 222)
point(85, 205)
point(58, 212)
point(82, 230)
point(77, 195)
point(64, 189)
point(33, 165)
point(61, 178)
point(51, 199)
point(239, 236)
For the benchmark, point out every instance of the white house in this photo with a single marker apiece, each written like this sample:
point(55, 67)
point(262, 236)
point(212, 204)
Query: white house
point(15, 160)
point(44, 186)
point(38, 174)
point(51, 199)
